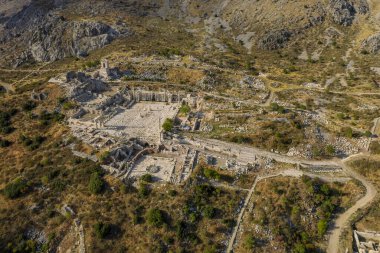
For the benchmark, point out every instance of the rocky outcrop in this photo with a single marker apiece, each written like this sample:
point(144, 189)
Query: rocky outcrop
point(344, 12)
point(371, 44)
point(275, 39)
point(362, 6)
point(58, 38)
point(48, 36)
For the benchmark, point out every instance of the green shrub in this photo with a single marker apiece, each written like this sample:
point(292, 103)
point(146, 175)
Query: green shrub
point(96, 183)
point(173, 193)
point(347, 132)
point(5, 122)
point(32, 142)
point(210, 249)
point(322, 227)
point(15, 188)
point(68, 105)
point(29, 105)
point(92, 64)
point(143, 190)
point(250, 242)
point(211, 174)
point(147, 178)
point(241, 139)
point(341, 116)
point(209, 212)
point(168, 52)
point(180, 228)
point(330, 150)
point(102, 229)
point(299, 248)
point(103, 156)
point(168, 125)
point(155, 217)
point(185, 109)
point(277, 108)
point(4, 143)
point(48, 117)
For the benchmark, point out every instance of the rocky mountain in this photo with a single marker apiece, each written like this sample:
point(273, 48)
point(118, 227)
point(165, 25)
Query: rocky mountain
point(41, 28)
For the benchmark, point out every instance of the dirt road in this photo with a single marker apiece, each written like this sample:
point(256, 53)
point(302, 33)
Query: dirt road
point(342, 221)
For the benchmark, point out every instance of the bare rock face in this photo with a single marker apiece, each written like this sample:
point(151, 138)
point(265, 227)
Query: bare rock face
point(47, 36)
point(38, 32)
point(342, 11)
point(275, 39)
point(371, 44)
point(58, 38)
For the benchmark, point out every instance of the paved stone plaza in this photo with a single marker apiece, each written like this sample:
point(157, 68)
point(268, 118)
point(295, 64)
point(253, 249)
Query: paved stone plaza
point(143, 120)
point(160, 168)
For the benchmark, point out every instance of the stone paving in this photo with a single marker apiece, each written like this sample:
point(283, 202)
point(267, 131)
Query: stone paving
point(143, 120)
point(161, 168)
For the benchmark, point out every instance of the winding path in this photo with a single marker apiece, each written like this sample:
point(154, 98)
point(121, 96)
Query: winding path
point(342, 221)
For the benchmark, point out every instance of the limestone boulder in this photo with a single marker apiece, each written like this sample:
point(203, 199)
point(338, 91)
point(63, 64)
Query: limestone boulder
point(371, 44)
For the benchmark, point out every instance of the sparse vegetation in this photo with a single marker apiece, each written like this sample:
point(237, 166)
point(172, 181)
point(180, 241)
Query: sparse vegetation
point(197, 215)
point(32, 143)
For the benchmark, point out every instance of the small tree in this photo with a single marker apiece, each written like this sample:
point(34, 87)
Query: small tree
point(147, 178)
point(143, 190)
point(102, 229)
point(96, 183)
point(155, 217)
point(168, 125)
point(29, 105)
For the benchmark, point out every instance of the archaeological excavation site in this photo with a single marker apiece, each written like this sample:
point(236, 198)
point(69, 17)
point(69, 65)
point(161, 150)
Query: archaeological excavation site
point(189, 126)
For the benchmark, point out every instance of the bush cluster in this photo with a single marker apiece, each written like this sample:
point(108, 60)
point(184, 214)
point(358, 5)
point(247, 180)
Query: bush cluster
point(15, 188)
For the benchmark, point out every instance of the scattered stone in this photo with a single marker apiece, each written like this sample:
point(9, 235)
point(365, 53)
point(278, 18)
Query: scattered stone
point(371, 44)
point(275, 39)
